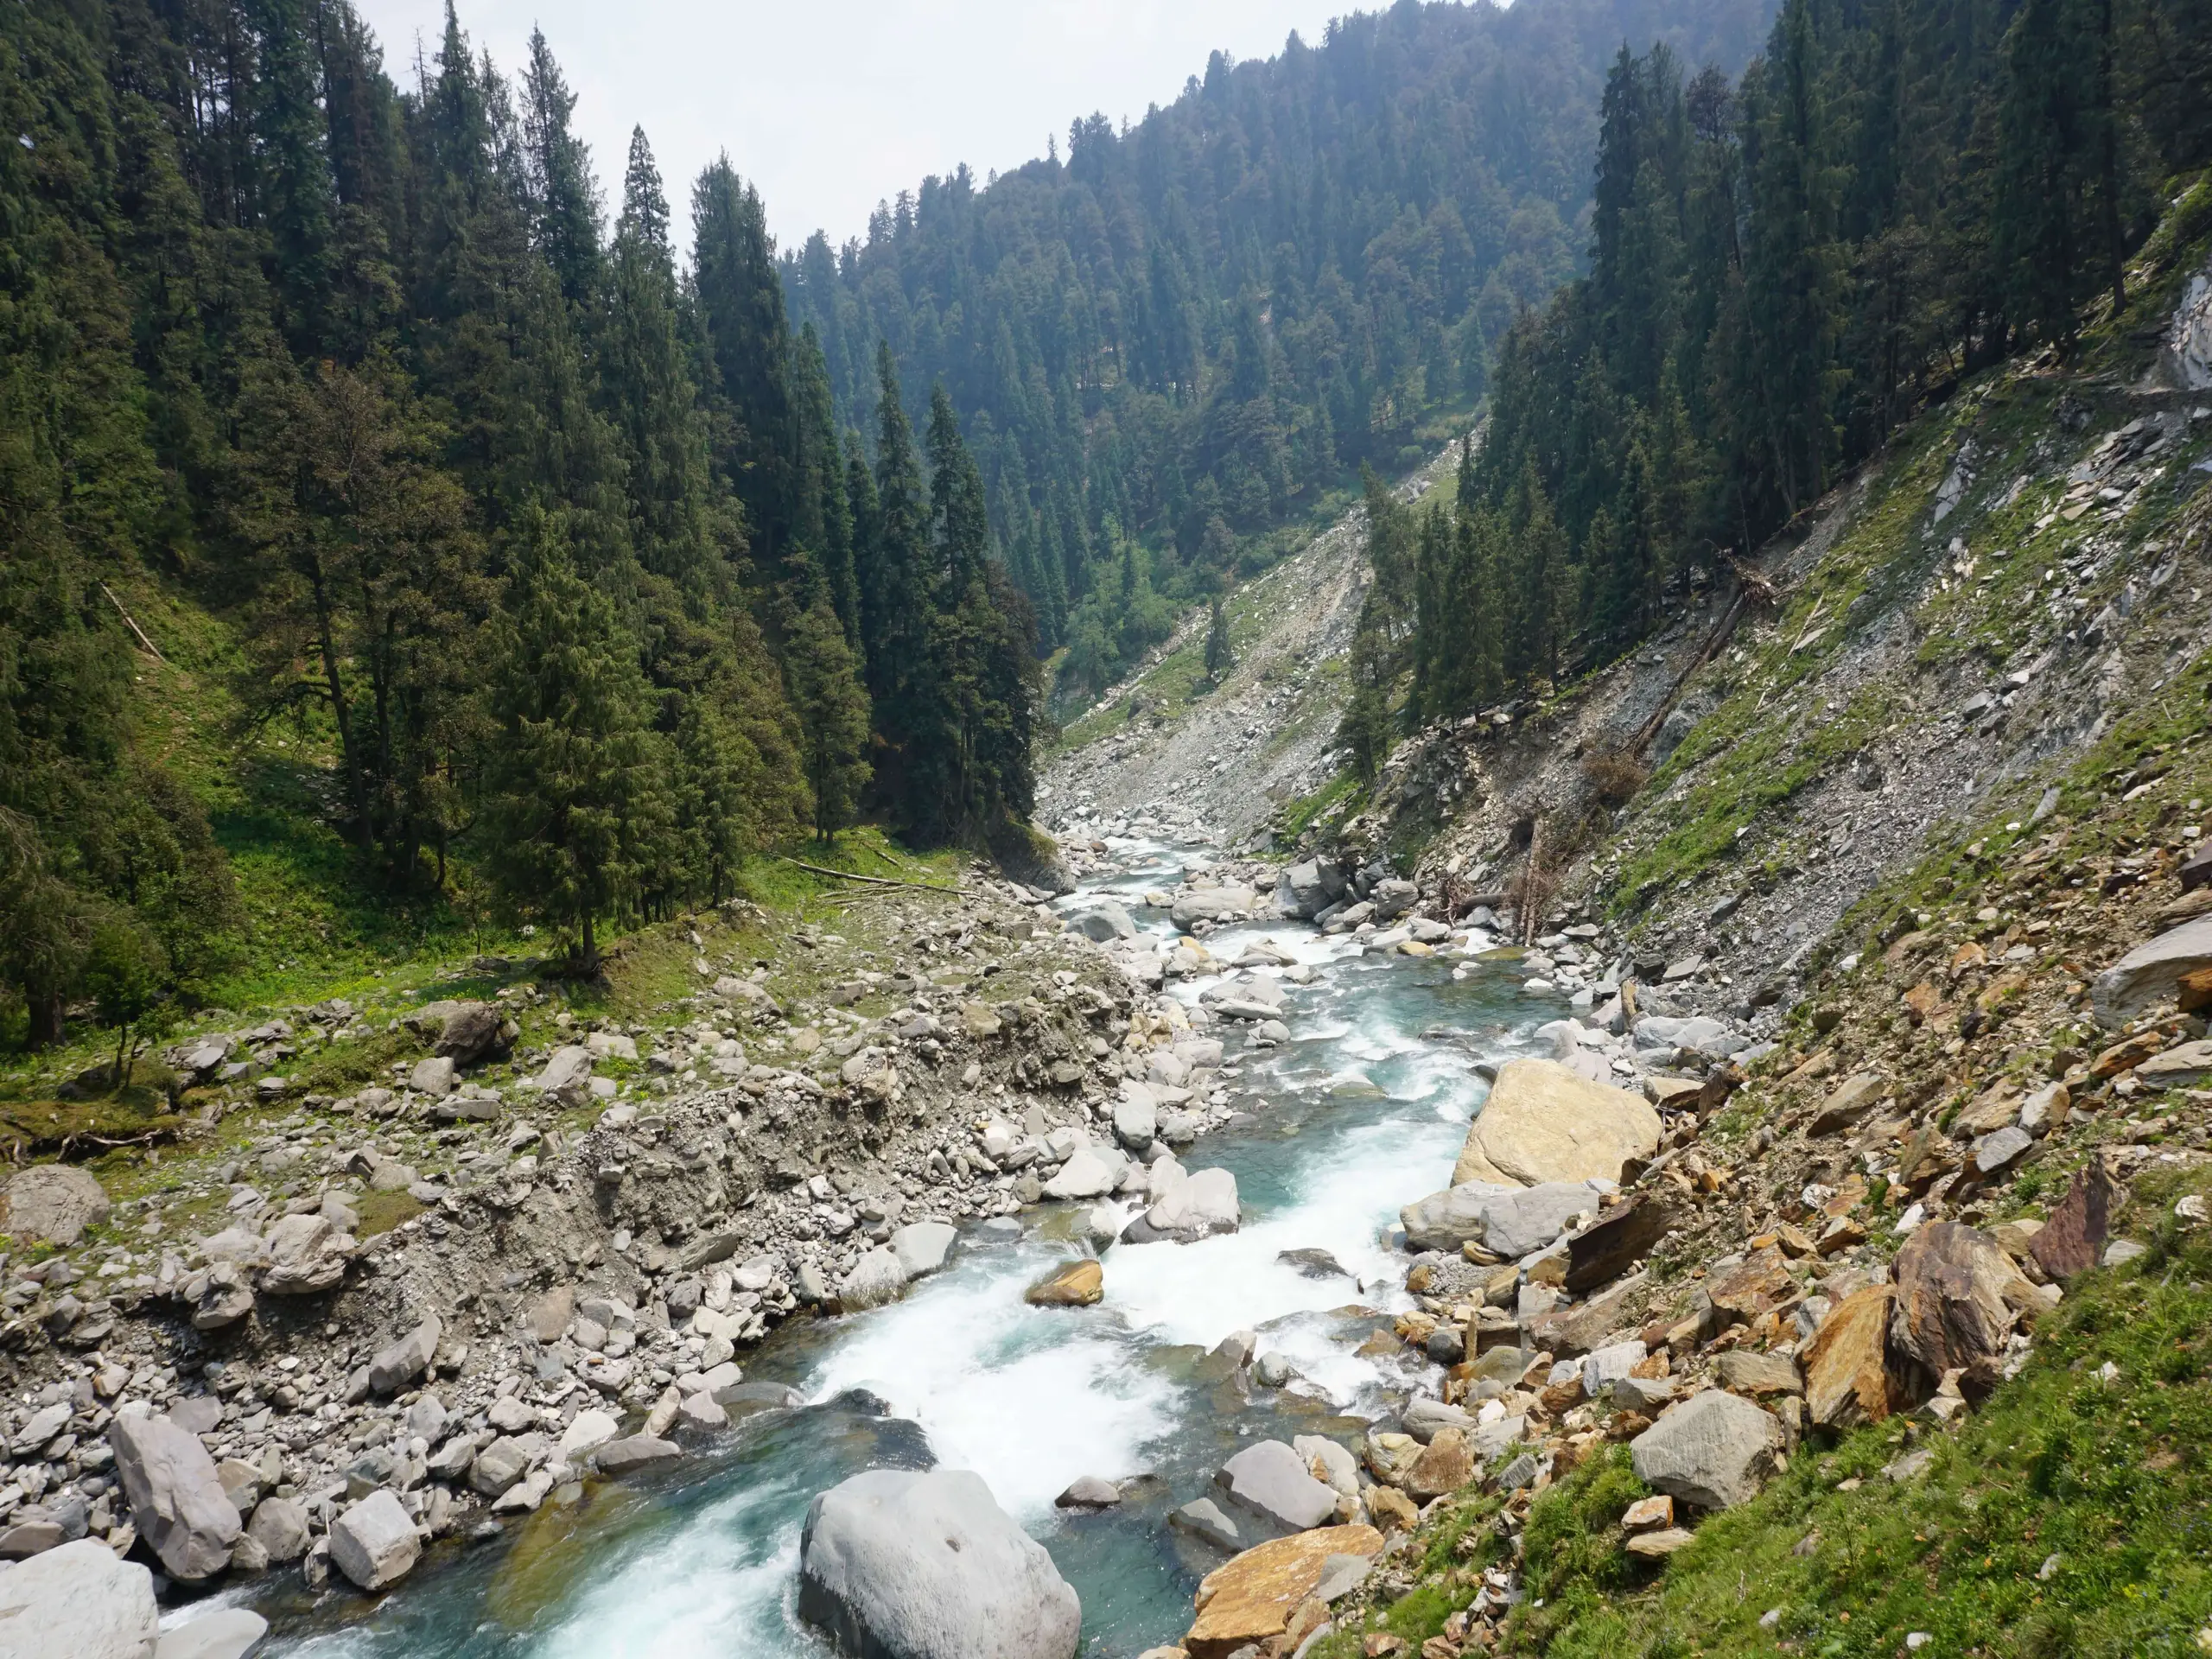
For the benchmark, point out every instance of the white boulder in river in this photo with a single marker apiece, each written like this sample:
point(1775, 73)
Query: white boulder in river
point(1197, 1206)
point(1544, 1123)
point(76, 1599)
point(897, 1564)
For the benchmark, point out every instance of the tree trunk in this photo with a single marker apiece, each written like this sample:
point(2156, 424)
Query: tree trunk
point(45, 1024)
point(591, 947)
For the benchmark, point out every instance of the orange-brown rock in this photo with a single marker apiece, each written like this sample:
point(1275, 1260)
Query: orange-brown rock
point(1754, 1286)
point(1848, 1379)
point(1252, 1597)
point(1444, 1467)
point(1076, 1285)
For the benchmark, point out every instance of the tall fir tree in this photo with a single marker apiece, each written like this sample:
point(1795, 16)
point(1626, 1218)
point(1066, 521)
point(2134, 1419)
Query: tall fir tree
point(576, 797)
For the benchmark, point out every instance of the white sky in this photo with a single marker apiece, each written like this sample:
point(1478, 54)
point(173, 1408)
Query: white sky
point(831, 105)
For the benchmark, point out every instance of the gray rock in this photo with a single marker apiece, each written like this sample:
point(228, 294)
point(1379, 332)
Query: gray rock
point(403, 1361)
point(1088, 1174)
point(1089, 1493)
point(1713, 1450)
point(1136, 1120)
point(374, 1543)
point(1271, 1480)
point(426, 1418)
point(77, 1601)
point(1603, 1367)
point(433, 1077)
point(567, 1075)
point(1509, 1222)
point(1994, 1152)
point(1393, 897)
point(53, 1203)
point(1425, 1418)
point(1102, 922)
point(1199, 1206)
point(1204, 1519)
point(1341, 1575)
point(307, 1255)
point(878, 1277)
point(473, 1032)
point(633, 1453)
point(1330, 1463)
point(28, 1538)
point(501, 1463)
point(897, 1564)
point(226, 1633)
point(177, 1500)
point(922, 1246)
point(2151, 971)
point(279, 1527)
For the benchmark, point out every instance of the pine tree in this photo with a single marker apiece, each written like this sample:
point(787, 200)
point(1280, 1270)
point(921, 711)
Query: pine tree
point(564, 197)
point(833, 716)
point(681, 524)
point(1219, 657)
point(576, 795)
point(740, 300)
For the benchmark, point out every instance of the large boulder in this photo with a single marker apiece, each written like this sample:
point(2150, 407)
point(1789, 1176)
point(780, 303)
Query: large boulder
point(475, 1032)
point(878, 1277)
point(400, 1364)
point(1848, 1377)
point(567, 1075)
point(226, 1633)
point(1544, 1123)
point(77, 1601)
point(1713, 1450)
point(1392, 897)
point(306, 1255)
point(2072, 1240)
point(1509, 1222)
point(1102, 921)
point(177, 1500)
point(2151, 972)
point(1201, 1204)
point(922, 1246)
point(1958, 1295)
point(53, 1203)
point(1209, 904)
point(1308, 889)
point(374, 1543)
point(1273, 1482)
point(900, 1565)
point(1249, 1601)
point(1089, 1174)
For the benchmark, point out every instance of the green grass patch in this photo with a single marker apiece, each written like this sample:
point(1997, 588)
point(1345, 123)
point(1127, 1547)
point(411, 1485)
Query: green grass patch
point(2071, 1515)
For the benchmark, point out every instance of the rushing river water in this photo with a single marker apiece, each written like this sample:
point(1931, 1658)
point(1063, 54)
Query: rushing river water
point(703, 1561)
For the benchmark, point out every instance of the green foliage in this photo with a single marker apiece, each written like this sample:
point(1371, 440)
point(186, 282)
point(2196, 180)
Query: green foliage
point(833, 717)
point(318, 372)
point(1783, 270)
point(1180, 331)
point(1220, 656)
point(576, 788)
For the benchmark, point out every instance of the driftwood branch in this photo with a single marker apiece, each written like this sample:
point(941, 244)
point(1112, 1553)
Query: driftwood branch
point(872, 881)
point(132, 626)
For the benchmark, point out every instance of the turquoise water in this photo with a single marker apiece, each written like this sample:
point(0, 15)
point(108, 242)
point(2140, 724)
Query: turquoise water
point(962, 1372)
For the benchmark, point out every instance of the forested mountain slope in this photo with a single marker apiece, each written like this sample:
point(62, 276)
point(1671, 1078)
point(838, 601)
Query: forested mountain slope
point(1186, 329)
point(362, 483)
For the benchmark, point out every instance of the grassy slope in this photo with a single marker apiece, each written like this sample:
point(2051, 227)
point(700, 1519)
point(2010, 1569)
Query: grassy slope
point(2071, 1516)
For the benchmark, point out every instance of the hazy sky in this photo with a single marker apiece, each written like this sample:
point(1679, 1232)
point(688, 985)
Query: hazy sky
point(831, 105)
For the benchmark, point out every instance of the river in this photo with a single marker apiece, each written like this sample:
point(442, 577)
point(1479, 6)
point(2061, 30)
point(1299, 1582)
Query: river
point(703, 1561)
